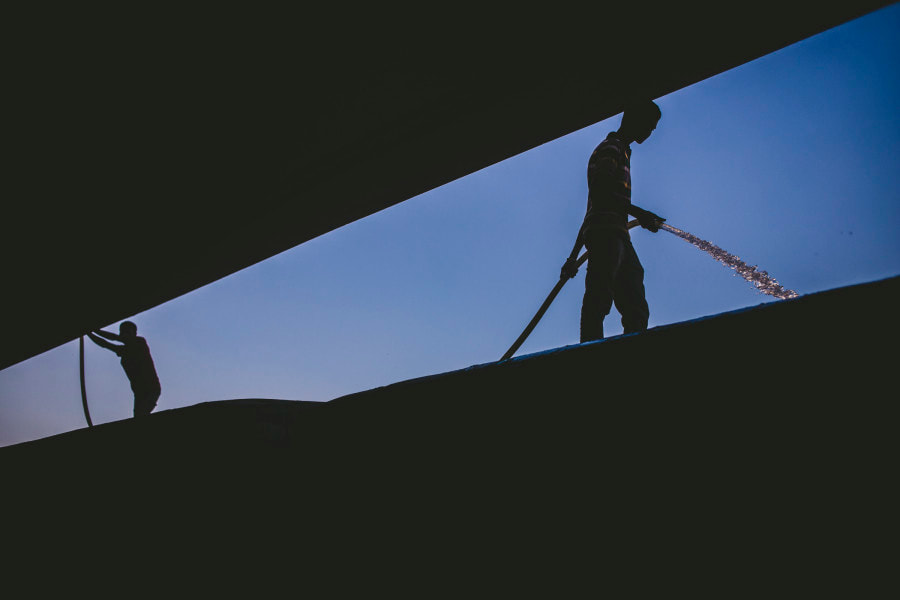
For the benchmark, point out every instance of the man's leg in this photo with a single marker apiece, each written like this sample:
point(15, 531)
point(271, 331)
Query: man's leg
point(629, 294)
point(604, 255)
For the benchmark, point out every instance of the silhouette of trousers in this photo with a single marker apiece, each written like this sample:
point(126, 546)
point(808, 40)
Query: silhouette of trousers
point(145, 401)
point(614, 274)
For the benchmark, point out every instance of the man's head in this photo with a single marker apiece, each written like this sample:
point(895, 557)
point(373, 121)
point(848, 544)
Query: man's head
point(639, 120)
point(127, 329)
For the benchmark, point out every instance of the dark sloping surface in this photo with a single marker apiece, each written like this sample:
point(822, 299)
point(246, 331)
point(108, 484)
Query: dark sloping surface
point(756, 445)
point(150, 159)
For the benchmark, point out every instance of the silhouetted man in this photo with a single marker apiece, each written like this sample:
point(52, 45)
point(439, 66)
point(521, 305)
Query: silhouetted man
point(614, 273)
point(137, 362)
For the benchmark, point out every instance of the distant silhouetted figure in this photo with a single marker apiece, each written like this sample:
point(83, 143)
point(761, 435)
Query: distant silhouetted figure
point(614, 273)
point(137, 362)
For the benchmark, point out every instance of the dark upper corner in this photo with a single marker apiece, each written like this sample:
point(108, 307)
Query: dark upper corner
point(142, 171)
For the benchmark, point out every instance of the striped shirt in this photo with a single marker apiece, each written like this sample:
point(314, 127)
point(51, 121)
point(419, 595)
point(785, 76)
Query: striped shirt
point(609, 184)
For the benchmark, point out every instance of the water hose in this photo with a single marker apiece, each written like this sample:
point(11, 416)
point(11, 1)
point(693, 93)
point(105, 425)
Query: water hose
point(84, 404)
point(550, 297)
point(761, 280)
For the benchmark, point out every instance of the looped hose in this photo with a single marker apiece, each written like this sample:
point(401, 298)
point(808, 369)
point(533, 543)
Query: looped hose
point(87, 413)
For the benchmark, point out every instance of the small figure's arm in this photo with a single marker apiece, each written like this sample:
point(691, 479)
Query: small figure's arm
point(103, 343)
point(110, 336)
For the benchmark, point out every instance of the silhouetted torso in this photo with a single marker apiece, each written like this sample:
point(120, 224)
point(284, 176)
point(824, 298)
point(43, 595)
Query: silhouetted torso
point(138, 364)
point(609, 184)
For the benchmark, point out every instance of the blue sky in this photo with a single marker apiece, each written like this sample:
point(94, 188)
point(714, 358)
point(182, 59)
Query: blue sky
point(791, 162)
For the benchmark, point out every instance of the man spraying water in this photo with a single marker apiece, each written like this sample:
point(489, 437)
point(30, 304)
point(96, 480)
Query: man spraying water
point(614, 272)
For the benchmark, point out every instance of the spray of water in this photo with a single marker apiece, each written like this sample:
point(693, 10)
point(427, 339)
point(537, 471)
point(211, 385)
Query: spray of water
point(760, 279)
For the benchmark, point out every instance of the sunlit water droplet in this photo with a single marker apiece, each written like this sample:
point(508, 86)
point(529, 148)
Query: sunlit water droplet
point(760, 279)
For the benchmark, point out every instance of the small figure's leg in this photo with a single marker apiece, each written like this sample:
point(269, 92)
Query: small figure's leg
point(145, 402)
point(152, 399)
point(138, 405)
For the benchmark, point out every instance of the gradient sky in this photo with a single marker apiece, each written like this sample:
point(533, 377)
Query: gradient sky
point(791, 162)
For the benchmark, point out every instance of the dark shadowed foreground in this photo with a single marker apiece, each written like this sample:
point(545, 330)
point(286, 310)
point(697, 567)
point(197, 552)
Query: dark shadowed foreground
point(737, 450)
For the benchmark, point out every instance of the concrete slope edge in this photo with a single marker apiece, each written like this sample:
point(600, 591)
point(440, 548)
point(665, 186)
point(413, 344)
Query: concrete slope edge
point(889, 285)
point(276, 422)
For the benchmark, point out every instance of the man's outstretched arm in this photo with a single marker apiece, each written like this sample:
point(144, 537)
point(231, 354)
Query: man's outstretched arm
point(647, 219)
point(102, 343)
